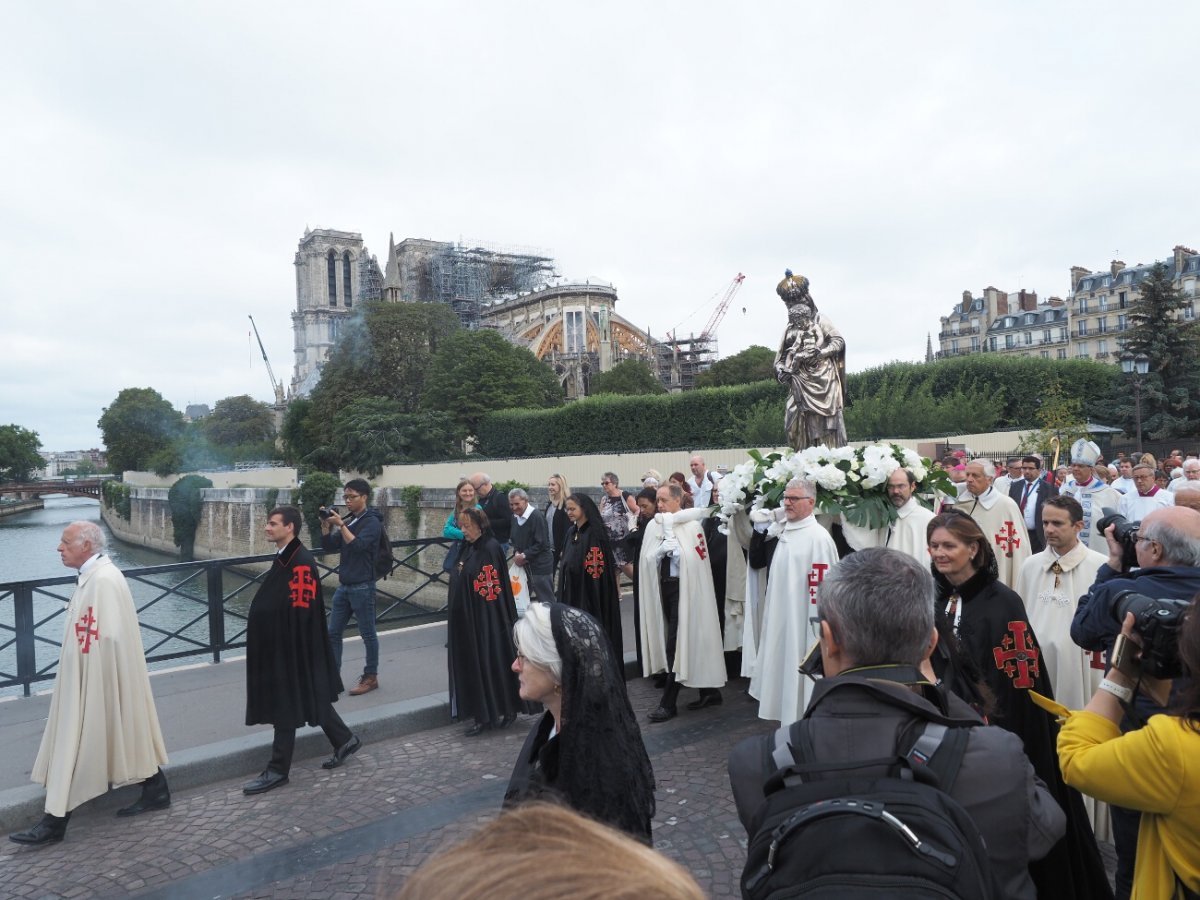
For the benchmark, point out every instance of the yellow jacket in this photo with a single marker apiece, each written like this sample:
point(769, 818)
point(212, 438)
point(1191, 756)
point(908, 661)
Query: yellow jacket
point(1155, 770)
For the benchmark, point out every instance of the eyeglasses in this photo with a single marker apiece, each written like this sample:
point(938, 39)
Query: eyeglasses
point(797, 499)
point(351, 496)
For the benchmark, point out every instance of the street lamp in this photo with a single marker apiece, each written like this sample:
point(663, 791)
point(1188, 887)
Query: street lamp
point(1137, 366)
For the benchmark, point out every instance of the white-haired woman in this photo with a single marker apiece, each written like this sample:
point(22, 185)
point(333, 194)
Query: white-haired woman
point(587, 750)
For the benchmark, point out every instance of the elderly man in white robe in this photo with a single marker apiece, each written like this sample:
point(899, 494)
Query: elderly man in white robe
point(1092, 493)
point(998, 516)
point(907, 532)
point(681, 632)
point(803, 556)
point(1146, 497)
point(1051, 584)
point(102, 728)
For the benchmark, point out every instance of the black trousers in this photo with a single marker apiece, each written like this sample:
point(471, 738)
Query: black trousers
point(285, 739)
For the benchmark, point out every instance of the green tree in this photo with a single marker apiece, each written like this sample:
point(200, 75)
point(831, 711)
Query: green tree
point(19, 455)
point(237, 421)
point(1060, 417)
point(630, 377)
point(186, 505)
point(138, 424)
point(903, 404)
point(1171, 390)
point(372, 432)
point(476, 372)
point(316, 491)
point(755, 363)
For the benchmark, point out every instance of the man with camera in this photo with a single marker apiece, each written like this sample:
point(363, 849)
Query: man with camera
point(357, 537)
point(1167, 550)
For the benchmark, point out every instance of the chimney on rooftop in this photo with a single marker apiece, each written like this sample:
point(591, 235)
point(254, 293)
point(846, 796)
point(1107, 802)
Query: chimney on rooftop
point(1181, 255)
point(1117, 266)
point(1027, 300)
point(1077, 272)
point(966, 301)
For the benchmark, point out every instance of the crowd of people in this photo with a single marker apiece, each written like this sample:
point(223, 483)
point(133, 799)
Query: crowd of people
point(974, 637)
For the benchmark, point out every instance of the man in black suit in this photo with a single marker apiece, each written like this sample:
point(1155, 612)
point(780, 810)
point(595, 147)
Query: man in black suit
point(1030, 493)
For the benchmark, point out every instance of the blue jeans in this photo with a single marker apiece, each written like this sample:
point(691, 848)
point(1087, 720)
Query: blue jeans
point(357, 600)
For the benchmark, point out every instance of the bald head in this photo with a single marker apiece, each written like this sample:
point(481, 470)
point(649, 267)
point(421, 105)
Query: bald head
point(1187, 495)
point(1176, 532)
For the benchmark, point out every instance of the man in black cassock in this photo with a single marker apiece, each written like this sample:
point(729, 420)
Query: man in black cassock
point(587, 575)
point(291, 677)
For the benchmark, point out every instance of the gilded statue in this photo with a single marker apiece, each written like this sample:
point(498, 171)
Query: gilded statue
point(811, 363)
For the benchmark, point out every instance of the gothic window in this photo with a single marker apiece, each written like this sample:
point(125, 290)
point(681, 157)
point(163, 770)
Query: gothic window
point(575, 335)
point(335, 329)
point(331, 271)
point(346, 295)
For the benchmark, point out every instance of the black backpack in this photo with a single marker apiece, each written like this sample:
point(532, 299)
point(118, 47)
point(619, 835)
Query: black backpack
point(384, 558)
point(826, 835)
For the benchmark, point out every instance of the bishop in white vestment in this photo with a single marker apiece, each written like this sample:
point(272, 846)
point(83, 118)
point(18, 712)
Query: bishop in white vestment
point(1094, 495)
point(999, 517)
point(803, 556)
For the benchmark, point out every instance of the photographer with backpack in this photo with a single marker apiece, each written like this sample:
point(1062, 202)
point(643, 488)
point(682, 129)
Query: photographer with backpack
point(883, 758)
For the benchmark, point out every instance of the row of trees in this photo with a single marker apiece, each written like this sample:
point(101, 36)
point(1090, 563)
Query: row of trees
point(19, 455)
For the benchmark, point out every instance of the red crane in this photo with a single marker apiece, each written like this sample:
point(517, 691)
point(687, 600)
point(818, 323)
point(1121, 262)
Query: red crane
point(722, 307)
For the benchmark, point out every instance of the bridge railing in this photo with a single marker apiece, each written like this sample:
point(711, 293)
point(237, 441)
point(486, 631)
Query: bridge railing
point(199, 609)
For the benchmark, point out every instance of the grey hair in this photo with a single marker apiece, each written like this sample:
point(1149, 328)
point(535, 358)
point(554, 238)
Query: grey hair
point(92, 533)
point(1191, 463)
point(1178, 549)
point(518, 492)
point(612, 476)
point(989, 467)
point(879, 606)
point(535, 640)
point(810, 489)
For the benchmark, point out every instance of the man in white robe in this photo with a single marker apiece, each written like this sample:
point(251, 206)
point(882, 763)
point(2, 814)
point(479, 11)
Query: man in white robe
point(804, 554)
point(907, 532)
point(998, 516)
point(1147, 496)
point(102, 728)
point(1123, 484)
point(1092, 493)
point(1051, 584)
point(681, 632)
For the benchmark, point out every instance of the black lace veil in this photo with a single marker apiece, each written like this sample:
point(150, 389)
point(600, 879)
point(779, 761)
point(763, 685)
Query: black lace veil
point(604, 770)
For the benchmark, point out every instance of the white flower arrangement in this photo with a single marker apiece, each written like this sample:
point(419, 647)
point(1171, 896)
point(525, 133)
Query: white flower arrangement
point(850, 481)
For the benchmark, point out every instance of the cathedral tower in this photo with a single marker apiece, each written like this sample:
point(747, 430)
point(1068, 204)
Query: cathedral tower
point(327, 286)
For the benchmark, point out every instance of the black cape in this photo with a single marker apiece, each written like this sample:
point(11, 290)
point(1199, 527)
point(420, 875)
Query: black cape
point(999, 648)
point(290, 672)
point(482, 612)
point(587, 579)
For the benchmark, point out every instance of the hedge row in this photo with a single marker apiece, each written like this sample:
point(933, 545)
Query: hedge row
point(708, 417)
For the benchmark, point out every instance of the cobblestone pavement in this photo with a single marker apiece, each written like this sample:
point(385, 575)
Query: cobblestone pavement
point(360, 830)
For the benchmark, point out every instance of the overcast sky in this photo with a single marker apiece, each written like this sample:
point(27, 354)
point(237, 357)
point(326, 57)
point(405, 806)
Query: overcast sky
point(161, 161)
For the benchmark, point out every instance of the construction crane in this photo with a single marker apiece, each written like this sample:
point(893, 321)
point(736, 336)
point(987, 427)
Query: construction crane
point(719, 313)
point(276, 385)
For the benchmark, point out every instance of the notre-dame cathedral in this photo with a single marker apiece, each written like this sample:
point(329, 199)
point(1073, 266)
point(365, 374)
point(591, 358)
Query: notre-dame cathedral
point(572, 326)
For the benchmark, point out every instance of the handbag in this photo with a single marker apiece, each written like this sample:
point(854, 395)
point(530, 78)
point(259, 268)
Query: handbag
point(452, 556)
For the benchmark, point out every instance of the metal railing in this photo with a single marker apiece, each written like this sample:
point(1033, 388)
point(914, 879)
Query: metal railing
point(199, 608)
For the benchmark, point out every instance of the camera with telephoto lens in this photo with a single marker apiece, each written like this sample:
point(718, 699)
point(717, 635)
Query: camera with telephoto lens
point(1158, 622)
point(1126, 534)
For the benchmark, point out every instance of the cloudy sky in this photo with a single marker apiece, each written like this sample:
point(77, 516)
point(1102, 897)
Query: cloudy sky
point(162, 159)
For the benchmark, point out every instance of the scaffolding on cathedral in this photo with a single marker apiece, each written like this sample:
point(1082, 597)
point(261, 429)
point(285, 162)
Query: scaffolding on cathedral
point(679, 360)
point(469, 278)
point(370, 279)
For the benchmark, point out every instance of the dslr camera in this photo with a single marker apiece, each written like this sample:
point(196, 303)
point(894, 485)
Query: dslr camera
point(1126, 534)
point(1158, 622)
point(326, 513)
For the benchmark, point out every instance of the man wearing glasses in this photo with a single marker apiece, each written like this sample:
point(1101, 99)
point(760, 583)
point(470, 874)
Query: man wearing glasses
point(803, 556)
point(1168, 556)
point(357, 537)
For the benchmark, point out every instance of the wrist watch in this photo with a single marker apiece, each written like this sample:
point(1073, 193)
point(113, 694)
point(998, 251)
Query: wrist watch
point(1117, 690)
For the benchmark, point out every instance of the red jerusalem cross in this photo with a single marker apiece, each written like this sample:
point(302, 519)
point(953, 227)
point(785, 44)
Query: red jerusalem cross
point(86, 631)
point(1007, 539)
point(594, 562)
point(1016, 656)
point(700, 548)
point(1096, 659)
point(487, 583)
point(302, 587)
point(815, 577)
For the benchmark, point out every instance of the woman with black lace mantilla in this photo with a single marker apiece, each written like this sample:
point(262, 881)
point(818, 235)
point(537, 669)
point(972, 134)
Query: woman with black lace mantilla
point(586, 752)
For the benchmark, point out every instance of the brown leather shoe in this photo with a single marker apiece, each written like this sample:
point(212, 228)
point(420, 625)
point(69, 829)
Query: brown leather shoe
point(366, 684)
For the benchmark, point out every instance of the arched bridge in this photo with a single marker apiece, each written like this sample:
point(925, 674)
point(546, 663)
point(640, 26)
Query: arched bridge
point(79, 487)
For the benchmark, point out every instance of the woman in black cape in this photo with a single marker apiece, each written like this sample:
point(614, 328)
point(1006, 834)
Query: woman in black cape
point(482, 611)
point(587, 575)
point(997, 664)
point(586, 751)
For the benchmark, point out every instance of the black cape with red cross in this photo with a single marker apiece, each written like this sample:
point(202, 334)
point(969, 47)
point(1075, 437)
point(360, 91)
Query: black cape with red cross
point(997, 647)
point(290, 672)
point(480, 621)
point(587, 579)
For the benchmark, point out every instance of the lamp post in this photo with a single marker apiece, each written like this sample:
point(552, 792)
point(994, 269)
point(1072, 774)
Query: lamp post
point(1137, 366)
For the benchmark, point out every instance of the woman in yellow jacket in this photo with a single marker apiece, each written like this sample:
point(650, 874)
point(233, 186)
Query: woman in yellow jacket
point(1155, 770)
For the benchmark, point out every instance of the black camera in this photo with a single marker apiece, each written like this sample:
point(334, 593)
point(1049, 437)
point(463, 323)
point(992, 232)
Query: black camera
point(1158, 622)
point(326, 513)
point(1126, 534)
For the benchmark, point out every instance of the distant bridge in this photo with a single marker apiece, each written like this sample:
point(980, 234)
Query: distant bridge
point(80, 487)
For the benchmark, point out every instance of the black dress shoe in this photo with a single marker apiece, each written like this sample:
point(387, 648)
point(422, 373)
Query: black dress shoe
point(340, 754)
point(713, 699)
point(155, 795)
point(662, 714)
point(476, 730)
point(267, 781)
point(49, 830)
